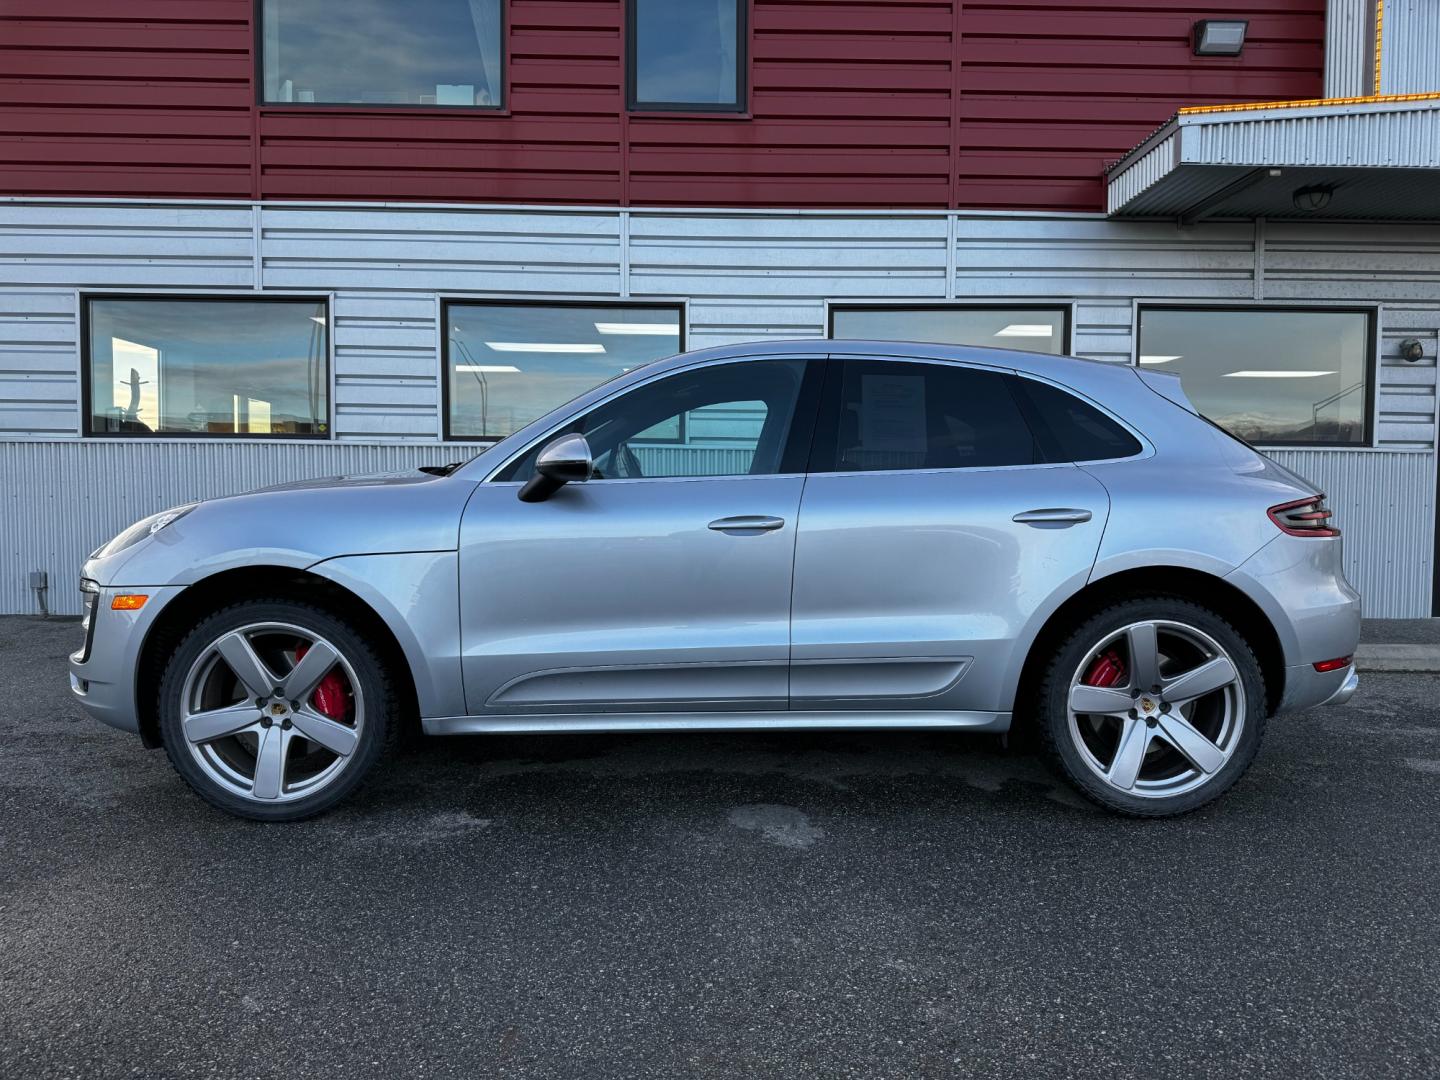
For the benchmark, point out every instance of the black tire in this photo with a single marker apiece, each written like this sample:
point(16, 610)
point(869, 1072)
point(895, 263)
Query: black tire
point(1052, 719)
point(377, 736)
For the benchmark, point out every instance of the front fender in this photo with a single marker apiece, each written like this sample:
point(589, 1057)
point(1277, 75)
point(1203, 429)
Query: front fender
point(416, 594)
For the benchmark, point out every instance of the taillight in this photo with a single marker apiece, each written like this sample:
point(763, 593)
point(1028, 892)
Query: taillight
point(1304, 517)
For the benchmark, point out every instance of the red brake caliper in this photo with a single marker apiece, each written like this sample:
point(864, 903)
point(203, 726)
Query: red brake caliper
point(1107, 670)
point(329, 695)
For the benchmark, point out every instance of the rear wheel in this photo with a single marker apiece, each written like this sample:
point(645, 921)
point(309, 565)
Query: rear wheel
point(1153, 706)
point(275, 710)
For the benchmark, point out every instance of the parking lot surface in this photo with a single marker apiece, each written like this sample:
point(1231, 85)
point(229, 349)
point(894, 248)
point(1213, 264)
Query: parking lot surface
point(782, 905)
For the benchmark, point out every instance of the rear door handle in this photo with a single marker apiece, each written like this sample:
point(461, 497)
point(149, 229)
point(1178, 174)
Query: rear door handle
point(747, 523)
point(1055, 515)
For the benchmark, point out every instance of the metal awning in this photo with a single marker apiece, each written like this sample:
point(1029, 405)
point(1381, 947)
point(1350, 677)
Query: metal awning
point(1341, 159)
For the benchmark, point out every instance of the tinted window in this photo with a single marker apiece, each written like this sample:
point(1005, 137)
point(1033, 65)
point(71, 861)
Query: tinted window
point(383, 52)
point(208, 367)
point(508, 364)
point(1268, 376)
point(1031, 329)
point(896, 415)
point(1068, 428)
point(723, 420)
point(686, 53)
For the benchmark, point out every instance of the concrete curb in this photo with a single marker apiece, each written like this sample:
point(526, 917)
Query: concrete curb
point(1423, 659)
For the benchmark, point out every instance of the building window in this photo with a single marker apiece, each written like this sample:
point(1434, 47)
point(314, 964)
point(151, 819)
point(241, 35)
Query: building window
point(1033, 328)
point(1297, 376)
point(687, 54)
point(383, 52)
point(191, 366)
point(507, 364)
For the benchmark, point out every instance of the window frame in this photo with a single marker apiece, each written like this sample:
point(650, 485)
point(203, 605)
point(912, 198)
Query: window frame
point(809, 404)
point(1065, 307)
point(680, 307)
point(1371, 369)
point(390, 108)
point(741, 107)
point(87, 417)
point(824, 437)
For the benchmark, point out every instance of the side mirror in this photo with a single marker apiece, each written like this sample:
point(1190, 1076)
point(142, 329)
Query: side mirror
point(567, 460)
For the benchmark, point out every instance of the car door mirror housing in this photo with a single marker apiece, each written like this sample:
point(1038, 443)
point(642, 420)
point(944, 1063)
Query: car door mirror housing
point(566, 460)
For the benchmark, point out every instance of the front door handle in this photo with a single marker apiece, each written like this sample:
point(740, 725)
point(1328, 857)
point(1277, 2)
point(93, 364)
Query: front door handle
point(1055, 515)
point(747, 523)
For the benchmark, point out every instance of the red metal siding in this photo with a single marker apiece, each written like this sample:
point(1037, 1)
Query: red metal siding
point(1013, 104)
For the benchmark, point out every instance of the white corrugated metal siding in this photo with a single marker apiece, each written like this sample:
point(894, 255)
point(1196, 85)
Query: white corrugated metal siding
point(1410, 47)
point(64, 498)
point(1384, 504)
point(1349, 48)
point(746, 275)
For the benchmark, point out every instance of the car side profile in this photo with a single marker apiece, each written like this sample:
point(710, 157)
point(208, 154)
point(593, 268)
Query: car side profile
point(807, 534)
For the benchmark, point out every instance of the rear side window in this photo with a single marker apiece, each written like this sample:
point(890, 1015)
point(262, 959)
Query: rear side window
point(902, 415)
point(1067, 428)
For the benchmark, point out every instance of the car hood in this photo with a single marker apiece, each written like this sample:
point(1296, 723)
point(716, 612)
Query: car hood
point(296, 525)
point(359, 480)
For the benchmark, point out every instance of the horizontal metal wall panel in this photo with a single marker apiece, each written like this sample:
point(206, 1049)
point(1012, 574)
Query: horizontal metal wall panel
point(1384, 503)
point(126, 247)
point(745, 275)
point(39, 383)
point(59, 500)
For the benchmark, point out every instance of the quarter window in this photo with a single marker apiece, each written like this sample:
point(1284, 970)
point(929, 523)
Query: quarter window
point(1297, 376)
point(1034, 329)
point(207, 367)
point(687, 54)
point(897, 415)
point(509, 364)
point(1067, 428)
point(718, 420)
point(383, 52)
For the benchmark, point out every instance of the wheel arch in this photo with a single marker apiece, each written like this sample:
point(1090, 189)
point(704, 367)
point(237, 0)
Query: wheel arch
point(245, 583)
point(1223, 597)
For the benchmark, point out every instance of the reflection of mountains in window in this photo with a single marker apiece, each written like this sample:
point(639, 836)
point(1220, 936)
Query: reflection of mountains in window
point(378, 52)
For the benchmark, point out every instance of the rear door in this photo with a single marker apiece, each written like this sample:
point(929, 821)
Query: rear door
point(933, 526)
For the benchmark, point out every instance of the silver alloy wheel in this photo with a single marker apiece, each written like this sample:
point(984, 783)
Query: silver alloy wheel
point(256, 731)
point(1176, 721)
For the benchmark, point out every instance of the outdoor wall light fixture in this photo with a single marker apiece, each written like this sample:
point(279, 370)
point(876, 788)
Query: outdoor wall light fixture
point(1218, 37)
point(1312, 198)
point(1411, 351)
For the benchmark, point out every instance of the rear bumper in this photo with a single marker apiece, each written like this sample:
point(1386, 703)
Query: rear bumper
point(1347, 688)
point(1299, 584)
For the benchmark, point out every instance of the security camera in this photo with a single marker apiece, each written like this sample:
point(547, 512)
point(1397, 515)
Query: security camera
point(1411, 350)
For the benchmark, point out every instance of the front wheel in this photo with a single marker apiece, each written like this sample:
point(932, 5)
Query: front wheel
point(275, 709)
point(1153, 707)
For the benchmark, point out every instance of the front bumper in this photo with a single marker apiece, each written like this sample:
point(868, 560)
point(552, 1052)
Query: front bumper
point(102, 675)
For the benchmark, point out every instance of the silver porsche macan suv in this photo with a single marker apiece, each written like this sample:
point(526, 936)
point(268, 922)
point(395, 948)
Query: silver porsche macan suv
point(808, 534)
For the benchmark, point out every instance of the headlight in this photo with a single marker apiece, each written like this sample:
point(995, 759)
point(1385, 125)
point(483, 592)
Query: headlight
point(144, 527)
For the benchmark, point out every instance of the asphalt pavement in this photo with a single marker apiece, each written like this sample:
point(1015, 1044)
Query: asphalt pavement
point(751, 905)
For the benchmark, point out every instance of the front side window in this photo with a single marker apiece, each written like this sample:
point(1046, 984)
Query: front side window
point(509, 364)
point(687, 54)
point(383, 52)
point(720, 420)
point(899, 415)
point(189, 366)
point(1034, 329)
point(1297, 376)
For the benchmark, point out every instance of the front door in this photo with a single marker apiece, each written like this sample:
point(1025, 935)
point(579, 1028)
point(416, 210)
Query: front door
point(662, 584)
point(933, 528)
